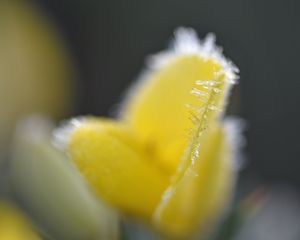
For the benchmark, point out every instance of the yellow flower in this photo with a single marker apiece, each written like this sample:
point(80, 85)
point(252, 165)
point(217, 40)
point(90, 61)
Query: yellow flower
point(14, 225)
point(167, 158)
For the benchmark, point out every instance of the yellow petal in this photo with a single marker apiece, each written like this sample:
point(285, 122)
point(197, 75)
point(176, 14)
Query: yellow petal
point(35, 68)
point(201, 187)
point(157, 107)
point(115, 165)
point(14, 225)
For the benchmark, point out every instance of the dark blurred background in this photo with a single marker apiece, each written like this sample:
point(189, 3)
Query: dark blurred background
point(110, 39)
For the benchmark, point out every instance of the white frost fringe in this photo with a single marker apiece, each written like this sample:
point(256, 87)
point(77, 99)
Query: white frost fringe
point(185, 42)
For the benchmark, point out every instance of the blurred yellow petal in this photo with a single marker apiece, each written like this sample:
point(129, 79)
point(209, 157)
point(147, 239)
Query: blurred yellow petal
point(113, 162)
point(35, 68)
point(157, 107)
point(52, 190)
point(201, 188)
point(14, 225)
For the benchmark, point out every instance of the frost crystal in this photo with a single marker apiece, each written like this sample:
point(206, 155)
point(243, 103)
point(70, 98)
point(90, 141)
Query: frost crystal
point(186, 41)
point(62, 134)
